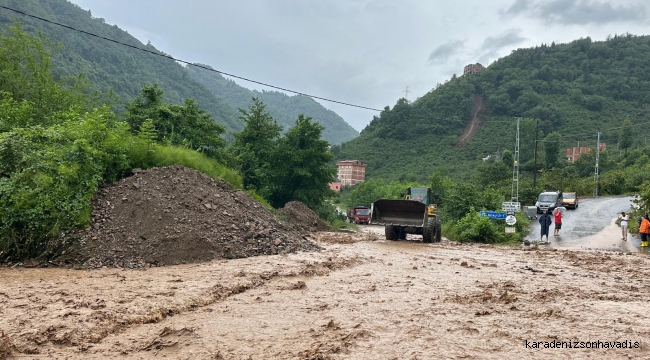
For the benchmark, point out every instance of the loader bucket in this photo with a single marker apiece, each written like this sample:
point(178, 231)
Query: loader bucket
point(402, 212)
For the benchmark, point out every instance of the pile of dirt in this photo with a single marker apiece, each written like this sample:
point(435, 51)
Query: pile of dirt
point(173, 215)
point(303, 218)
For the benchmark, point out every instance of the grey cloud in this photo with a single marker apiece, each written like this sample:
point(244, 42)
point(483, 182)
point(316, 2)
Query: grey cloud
point(443, 52)
point(510, 37)
point(491, 45)
point(518, 7)
point(585, 12)
point(579, 12)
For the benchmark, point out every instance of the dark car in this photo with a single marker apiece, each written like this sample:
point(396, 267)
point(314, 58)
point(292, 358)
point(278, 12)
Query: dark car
point(548, 200)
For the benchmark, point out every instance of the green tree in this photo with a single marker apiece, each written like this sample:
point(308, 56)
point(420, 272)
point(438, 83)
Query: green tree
point(180, 125)
point(625, 137)
point(25, 75)
point(370, 191)
point(301, 166)
point(440, 185)
point(366, 193)
point(585, 164)
point(490, 172)
point(460, 198)
point(552, 150)
point(613, 182)
point(507, 158)
point(255, 145)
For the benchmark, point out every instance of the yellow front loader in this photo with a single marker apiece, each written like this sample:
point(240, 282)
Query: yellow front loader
point(416, 214)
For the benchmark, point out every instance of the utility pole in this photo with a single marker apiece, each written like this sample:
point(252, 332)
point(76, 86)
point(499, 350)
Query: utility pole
point(535, 163)
point(596, 170)
point(406, 93)
point(514, 194)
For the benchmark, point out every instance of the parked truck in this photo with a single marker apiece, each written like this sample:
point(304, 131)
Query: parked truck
point(416, 214)
point(359, 215)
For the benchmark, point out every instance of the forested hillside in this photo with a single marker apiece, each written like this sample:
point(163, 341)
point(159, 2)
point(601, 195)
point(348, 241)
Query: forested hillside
point(285, 109)
point(574, 90)
point(110, 66)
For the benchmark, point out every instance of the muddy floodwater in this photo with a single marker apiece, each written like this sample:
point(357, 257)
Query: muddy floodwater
point(362, 297)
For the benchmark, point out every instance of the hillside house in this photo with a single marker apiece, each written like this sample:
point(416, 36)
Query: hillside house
point(473, 69)
point(574, 153)
point(351, 172)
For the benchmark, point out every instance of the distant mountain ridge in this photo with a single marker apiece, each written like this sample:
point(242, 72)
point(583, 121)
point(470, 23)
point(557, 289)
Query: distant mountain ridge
point(285, 109)
point(575, 89)
point(109, 65)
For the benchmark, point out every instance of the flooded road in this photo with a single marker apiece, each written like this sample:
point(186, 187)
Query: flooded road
point(592, 226)
point(361, 297)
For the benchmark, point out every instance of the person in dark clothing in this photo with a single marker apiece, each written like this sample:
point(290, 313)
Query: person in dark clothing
point(545, 221)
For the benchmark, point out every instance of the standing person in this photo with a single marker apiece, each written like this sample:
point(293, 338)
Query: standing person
point(624, 219)
point(644, 229)
point(545, 222)
point(557, 214)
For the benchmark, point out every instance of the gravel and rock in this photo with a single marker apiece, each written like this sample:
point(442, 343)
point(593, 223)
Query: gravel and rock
point(302, 218)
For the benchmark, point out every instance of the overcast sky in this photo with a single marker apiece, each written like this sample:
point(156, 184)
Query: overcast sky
point(364, 52)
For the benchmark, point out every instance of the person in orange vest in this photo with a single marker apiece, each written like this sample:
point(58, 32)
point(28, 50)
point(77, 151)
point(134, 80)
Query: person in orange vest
point(644, 230)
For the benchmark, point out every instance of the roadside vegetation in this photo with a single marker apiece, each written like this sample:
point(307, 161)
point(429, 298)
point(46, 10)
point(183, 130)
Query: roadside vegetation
point(60, 142)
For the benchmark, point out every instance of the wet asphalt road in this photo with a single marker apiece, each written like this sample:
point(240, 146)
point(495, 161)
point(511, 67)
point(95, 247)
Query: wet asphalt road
point(590, 218)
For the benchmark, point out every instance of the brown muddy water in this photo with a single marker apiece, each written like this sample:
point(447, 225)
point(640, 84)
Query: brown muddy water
point(361, 297)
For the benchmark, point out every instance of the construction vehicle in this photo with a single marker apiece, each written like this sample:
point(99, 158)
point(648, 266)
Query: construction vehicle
point(359, 215)
point(416, 214)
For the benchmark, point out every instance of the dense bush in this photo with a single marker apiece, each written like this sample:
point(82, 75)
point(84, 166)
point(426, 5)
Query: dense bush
point(48, 175)
point(475, 228)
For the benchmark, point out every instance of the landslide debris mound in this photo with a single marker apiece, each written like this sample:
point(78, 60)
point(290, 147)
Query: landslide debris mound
point(173, 215)
point(303, 218)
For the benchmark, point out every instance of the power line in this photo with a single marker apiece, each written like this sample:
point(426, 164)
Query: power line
point(406, 93)
point(585, 134)
point(183, 61)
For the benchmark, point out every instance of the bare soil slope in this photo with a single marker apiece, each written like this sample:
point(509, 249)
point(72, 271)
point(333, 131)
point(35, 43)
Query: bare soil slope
point(478, 115)
point(174, 215)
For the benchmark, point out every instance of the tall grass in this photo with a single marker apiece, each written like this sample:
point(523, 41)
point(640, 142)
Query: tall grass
point(144, 154)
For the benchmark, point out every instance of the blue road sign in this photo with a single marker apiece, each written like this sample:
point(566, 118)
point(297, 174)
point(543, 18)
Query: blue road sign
point(493, 214)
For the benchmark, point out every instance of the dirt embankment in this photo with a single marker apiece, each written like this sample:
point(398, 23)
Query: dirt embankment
point(174, 215)
point(478, 115)
point(303, 218)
